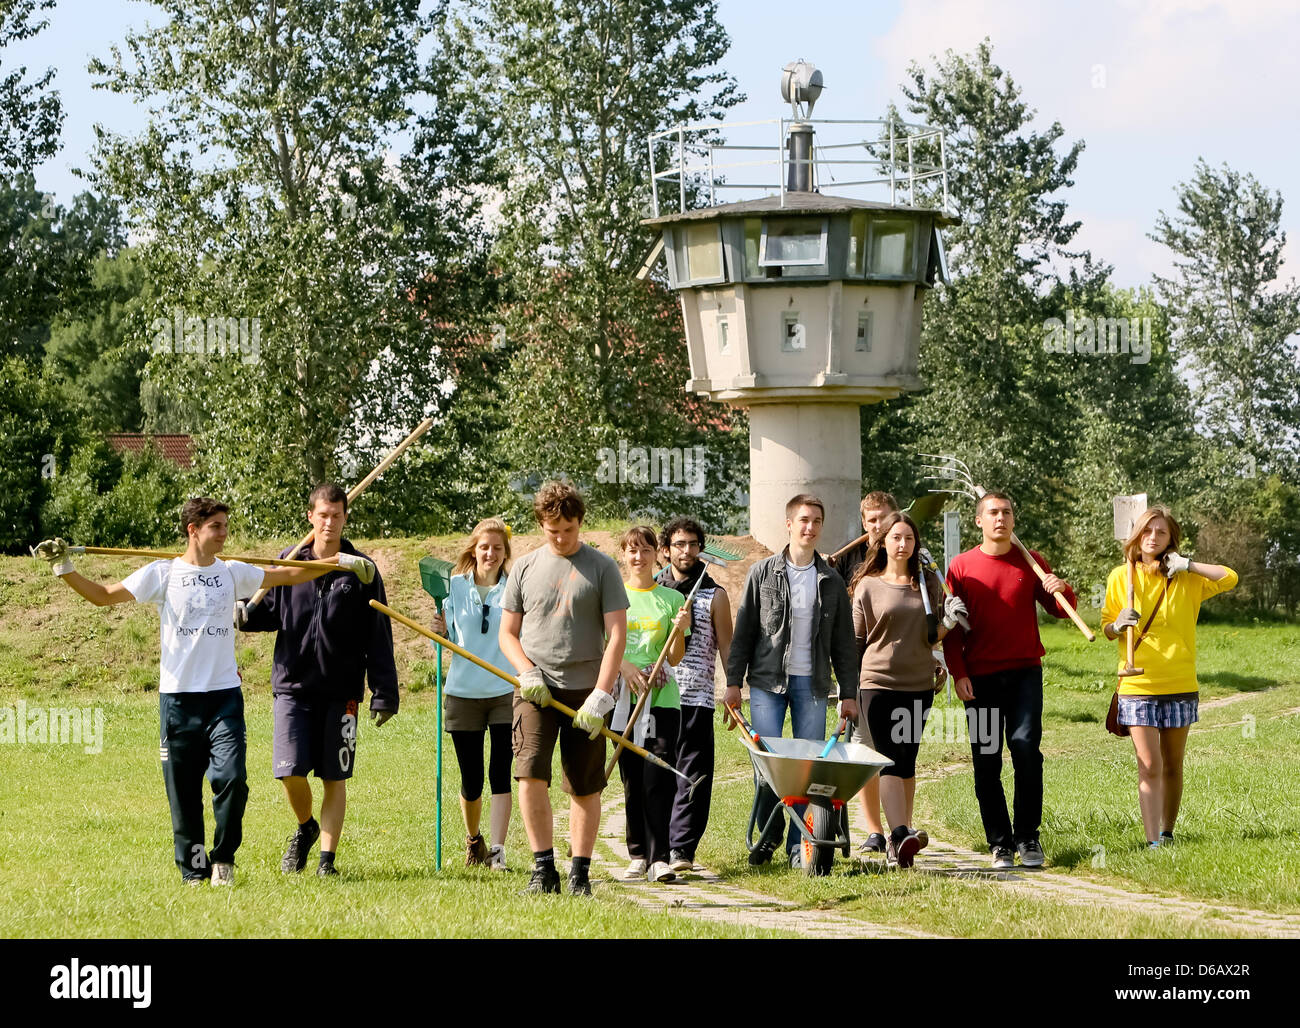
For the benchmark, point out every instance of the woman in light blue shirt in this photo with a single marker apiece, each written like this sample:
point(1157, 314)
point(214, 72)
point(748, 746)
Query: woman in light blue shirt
point(476, 701)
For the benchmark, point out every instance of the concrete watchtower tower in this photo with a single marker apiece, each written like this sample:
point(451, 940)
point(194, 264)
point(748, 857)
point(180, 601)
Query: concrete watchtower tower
point(799, 306)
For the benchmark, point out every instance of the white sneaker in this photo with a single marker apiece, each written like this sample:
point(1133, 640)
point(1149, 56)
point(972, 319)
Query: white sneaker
point(497, 858)
point(223, 874)
point(661, 872)
point(636, 869)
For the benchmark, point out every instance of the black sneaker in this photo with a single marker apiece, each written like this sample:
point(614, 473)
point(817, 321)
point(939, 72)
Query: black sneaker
point(1003, 858)
point(761, 854)
point(875, 844)
point(543, 879)
point(905, 849)
point(325, 871)
point(579, 885)
point(300, 844)
point(1031, 853)
point(1166, 838)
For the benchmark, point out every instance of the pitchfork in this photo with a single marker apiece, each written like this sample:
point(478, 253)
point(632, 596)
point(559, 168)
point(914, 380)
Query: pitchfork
point(959, 481)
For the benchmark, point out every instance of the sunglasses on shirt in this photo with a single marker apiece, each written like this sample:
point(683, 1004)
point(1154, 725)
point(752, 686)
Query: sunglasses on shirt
point(484, 626)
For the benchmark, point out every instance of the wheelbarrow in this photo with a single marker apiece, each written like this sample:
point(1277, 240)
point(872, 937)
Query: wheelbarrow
point(822, 776)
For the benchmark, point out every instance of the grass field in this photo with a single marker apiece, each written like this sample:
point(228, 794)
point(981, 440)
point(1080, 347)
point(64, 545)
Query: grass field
point(85, 845)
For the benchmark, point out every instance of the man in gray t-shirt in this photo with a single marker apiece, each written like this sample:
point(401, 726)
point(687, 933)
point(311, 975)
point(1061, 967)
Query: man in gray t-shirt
point(563, 628)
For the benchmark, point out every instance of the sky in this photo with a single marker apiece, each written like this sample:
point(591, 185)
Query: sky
point(1149, 85)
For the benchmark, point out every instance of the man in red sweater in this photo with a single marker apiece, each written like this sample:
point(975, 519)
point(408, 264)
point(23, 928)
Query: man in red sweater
point(998, 673)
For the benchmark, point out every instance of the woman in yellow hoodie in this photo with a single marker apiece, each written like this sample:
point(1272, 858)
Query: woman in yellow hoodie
point(1159, 706)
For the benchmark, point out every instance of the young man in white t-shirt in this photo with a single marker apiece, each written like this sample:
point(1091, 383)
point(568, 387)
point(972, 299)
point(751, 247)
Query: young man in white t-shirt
point(201, 703)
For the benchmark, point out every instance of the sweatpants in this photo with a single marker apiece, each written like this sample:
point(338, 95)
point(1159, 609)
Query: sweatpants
point(690, 812)
point(203, 733)
point(648, 790)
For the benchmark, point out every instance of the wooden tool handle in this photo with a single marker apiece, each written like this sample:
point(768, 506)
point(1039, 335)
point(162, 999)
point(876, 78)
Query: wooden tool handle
point(1060, 599)
point(356, 491)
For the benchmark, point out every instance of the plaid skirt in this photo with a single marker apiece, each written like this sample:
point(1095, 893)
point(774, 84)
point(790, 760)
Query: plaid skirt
point(1158, 711)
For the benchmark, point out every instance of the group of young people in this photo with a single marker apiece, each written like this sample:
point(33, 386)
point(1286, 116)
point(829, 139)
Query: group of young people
point(574, 629)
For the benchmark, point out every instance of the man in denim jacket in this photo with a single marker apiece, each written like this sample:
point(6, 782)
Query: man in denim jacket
point(793, 627)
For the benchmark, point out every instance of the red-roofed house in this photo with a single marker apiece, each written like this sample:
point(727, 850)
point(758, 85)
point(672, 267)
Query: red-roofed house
point(179, 449)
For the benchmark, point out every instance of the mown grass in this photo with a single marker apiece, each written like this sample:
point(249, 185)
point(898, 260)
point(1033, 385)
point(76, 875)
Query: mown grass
point(85, 840)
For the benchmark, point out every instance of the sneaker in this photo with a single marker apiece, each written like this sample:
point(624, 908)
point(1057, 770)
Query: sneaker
point(905, 849)
point(543, 879)
point(679, 861)
point(326, 871)
point(760, 854)
point(300, 844)
point(875, 844)
point(1166, 838)
point(796, 859)
point(579, 885)
point(923, 838)
point(1003, 858)
point(891, 853)
point(497, 858)
point(1031, 854)
point(195, 880)
point(223, 874)
point(661, 872)
point(636, 869)
point(1153, 845)
point(476, 850)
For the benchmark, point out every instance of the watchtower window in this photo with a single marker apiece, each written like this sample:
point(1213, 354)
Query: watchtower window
point(891, 250)
point(791, 242)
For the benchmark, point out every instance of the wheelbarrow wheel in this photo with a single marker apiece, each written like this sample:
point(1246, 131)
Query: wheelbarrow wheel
point(820, 820)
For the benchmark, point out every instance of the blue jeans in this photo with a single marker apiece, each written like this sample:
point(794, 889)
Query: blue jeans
point(808, 720)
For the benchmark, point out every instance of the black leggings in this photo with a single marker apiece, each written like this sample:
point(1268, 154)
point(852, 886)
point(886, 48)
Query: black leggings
point(469, 755)
point(895, 722)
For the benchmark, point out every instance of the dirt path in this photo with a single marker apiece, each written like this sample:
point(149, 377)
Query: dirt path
point(703, 895)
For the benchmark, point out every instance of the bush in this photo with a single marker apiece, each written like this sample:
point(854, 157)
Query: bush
point(106, 499)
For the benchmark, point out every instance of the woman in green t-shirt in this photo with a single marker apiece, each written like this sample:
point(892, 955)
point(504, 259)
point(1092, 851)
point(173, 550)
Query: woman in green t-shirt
point(653, 612)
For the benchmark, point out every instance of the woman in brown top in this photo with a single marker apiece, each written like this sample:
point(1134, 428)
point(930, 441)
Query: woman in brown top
point(896, 684)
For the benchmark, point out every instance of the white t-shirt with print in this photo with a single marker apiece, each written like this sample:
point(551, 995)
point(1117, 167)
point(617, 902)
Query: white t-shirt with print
point(196, 614)
point(803, 596)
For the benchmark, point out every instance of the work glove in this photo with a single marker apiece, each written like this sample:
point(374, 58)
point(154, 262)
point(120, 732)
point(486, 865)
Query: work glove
point(56, 552)
point(241, 614)
point(1127, 618)
point(954, 611)
point(1174, 563)
point(359, 566)
point(380, 717)
point(590, 717)
point(532, 687)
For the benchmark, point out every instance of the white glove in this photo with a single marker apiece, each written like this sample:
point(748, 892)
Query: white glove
point(532, 687)
point(590, 717)
point(359, 566)
point(241, 614)
point(56, 552)
point(954, 610)
point(1127, 618)
point(1175, 562)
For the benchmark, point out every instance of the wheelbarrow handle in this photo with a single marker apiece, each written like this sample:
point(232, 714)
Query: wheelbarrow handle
point(834, 738)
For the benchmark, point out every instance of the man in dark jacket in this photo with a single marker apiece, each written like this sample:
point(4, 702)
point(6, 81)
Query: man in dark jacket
point(330, 639)
point(793, 626)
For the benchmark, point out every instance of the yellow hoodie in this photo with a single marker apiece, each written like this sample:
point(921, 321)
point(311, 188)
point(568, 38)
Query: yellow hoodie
point(1167, 655)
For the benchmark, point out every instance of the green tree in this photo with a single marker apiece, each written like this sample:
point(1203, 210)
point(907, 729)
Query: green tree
point(573, 88)
point(31, 114)
point(993, 398)
point(1234, 325)
point(95, 347)
point(266, 191)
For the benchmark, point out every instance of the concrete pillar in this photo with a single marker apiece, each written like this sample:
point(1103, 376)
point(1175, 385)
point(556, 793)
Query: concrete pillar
point(804, 448)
